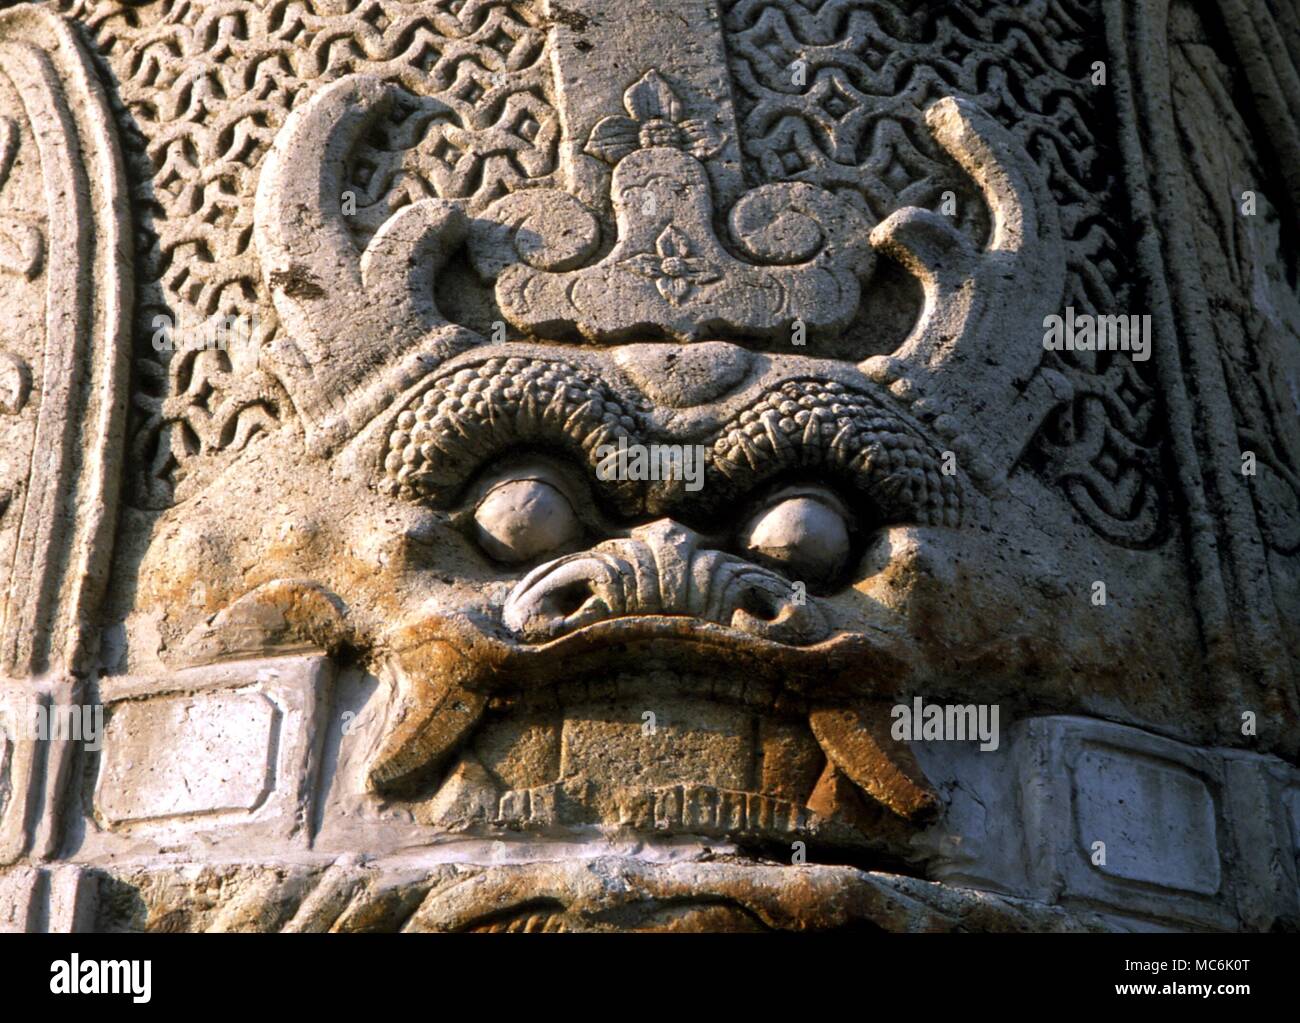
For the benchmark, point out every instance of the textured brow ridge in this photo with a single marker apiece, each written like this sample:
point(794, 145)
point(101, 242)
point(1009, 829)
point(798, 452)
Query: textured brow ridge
point(463, 418)
point(820, 424)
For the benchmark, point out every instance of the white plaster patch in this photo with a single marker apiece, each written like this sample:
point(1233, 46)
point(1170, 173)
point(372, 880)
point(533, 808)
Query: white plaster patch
point(217, 756)
point(1156, 820)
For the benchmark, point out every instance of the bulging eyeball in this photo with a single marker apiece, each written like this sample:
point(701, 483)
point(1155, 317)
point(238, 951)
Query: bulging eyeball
point(521, 519)
point(806, 537)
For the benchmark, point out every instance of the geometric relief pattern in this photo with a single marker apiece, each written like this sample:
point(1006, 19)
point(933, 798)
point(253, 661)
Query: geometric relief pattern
point(833, 93)
point(204, 87)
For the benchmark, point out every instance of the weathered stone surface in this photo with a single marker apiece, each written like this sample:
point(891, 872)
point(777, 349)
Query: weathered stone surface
point(220, 759)
point(598, 895)
point(575, 466)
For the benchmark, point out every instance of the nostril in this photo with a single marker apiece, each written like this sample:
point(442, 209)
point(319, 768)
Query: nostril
point(760, 604)
point(565, 600)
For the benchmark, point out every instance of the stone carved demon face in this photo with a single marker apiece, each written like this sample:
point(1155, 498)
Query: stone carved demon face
point(568, 648)
point(642, 405)
point(565, 650)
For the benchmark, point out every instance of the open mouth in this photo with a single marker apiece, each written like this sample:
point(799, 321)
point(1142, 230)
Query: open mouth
point(662, 724)
point(664, 749)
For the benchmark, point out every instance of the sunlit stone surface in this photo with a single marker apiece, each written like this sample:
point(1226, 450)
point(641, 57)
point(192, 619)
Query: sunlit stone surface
point(694, 479)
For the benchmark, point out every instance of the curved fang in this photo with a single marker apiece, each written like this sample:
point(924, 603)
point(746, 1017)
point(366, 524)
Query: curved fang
point(358, 327)
point(978, 342)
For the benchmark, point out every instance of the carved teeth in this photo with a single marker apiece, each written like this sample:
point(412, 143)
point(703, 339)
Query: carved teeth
point(695, 809)
point(437, 712)
point(439, 720)
point(705, 809)
point(858, 742)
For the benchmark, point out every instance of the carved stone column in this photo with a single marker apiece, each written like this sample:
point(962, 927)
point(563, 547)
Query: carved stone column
point(665, 465)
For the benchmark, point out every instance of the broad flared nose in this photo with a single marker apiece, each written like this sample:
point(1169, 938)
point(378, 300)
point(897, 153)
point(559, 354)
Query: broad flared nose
point(661, 569)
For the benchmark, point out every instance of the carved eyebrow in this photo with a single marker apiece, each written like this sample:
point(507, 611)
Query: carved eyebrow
point(465, 418)
point(449, 431)
point(841, 432)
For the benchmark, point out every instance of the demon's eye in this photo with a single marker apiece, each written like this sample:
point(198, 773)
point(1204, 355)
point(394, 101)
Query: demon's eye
point(804, 534)
point(522, 518)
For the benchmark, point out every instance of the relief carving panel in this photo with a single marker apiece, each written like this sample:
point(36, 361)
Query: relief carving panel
point(632, 457)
